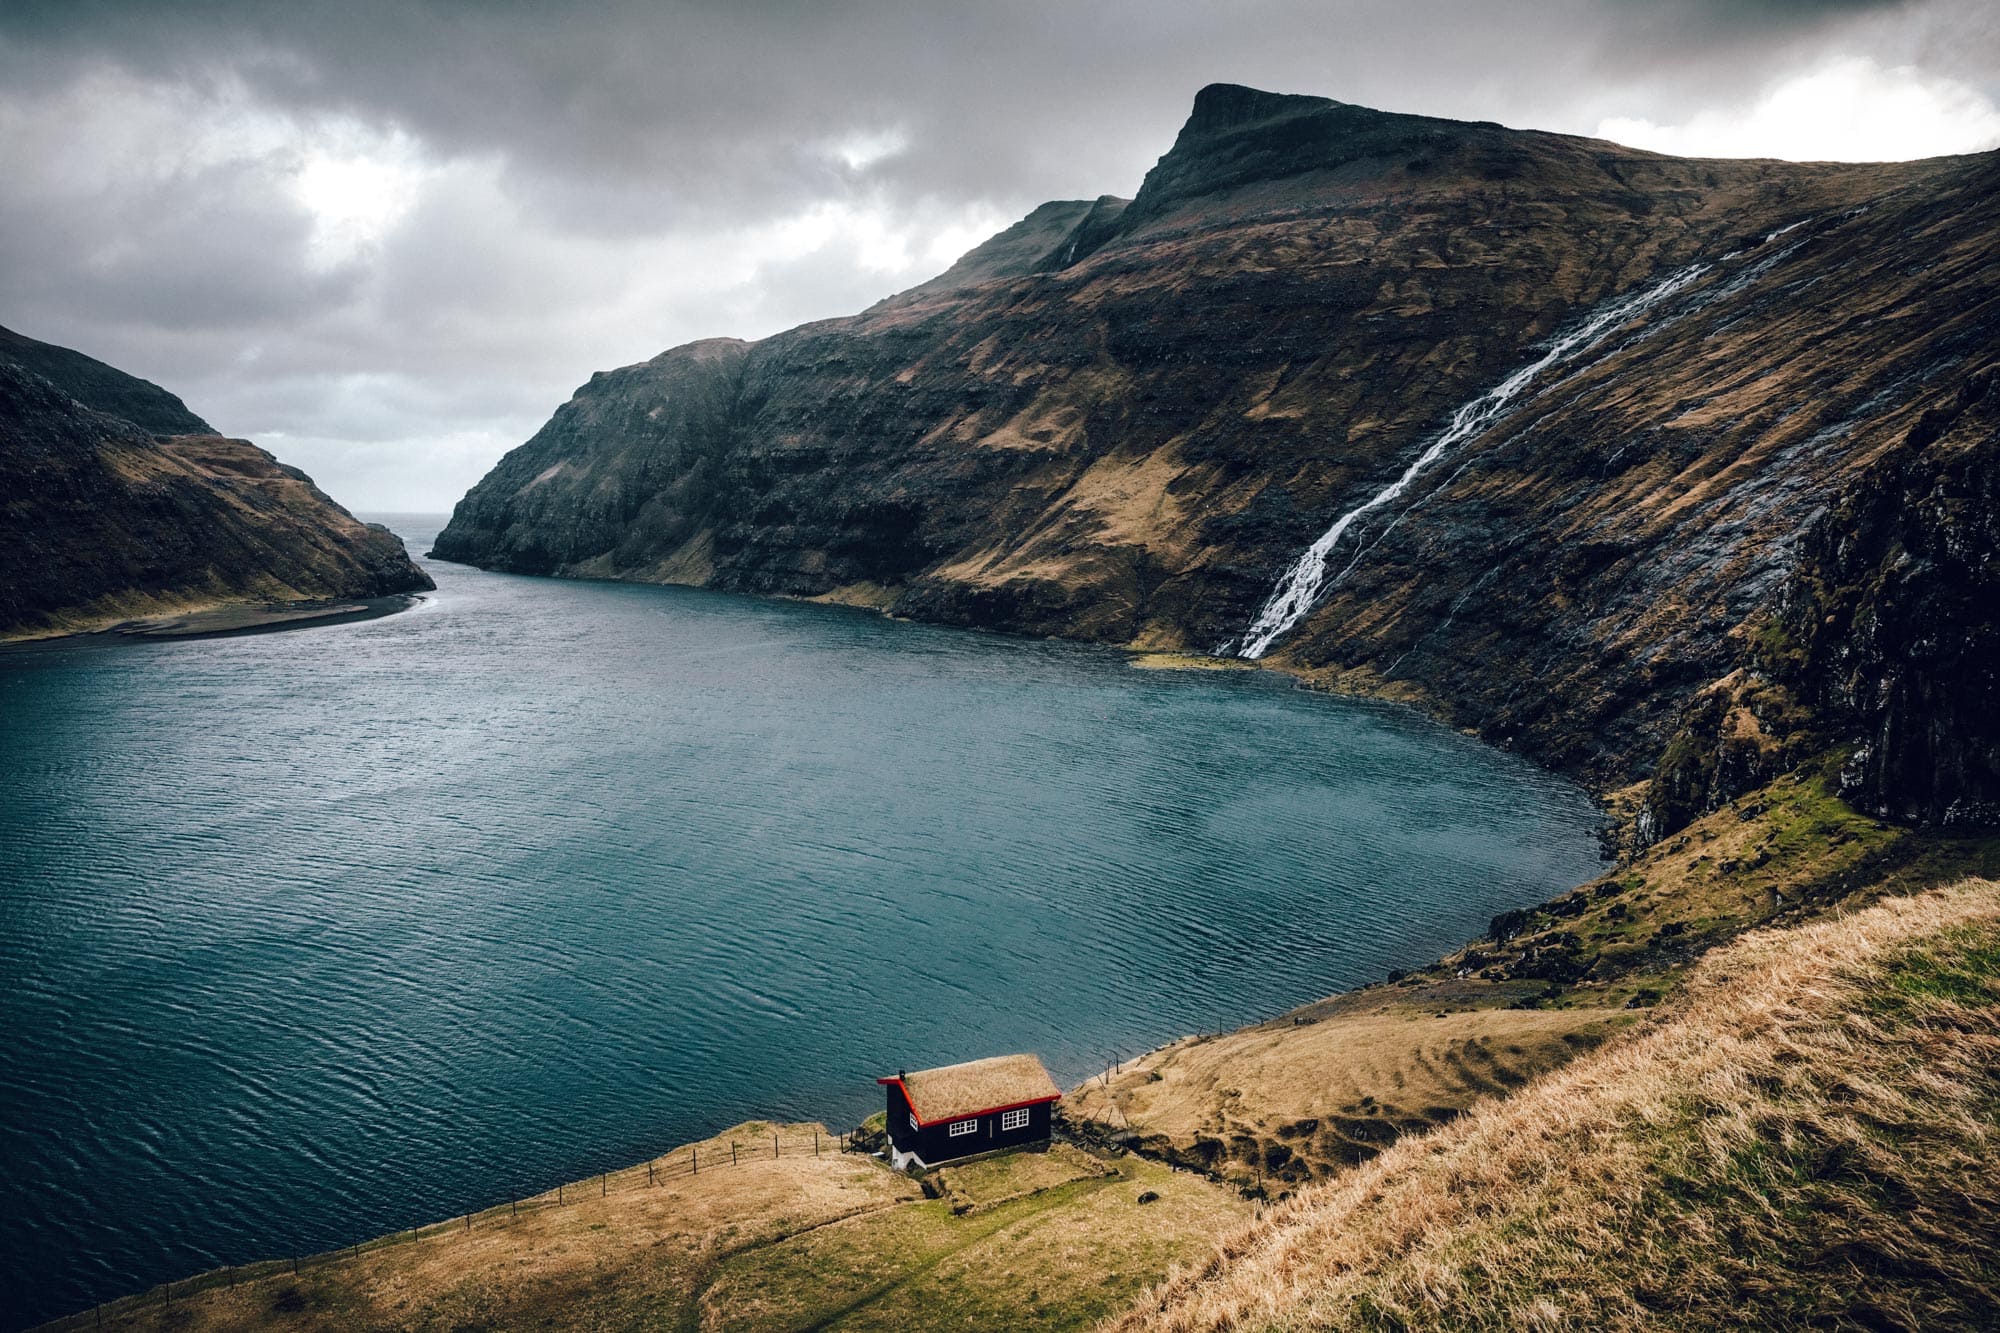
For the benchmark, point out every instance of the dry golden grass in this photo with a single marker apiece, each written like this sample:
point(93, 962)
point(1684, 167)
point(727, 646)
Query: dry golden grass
point(788, 1242)
point(1303, 1096)
point(1130, 500)
point(1302, 1101)
point(866, 595)
point(1075, 1264)
point(634, 1256)
point(1805, 1136)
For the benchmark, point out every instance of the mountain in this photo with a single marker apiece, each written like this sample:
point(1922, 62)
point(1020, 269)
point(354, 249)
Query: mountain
point(1651, 468)
point(119, 502)
point(101, 387)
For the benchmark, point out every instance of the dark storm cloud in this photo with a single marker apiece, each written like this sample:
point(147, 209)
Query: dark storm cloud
point(589, 184)
point(210, 248)
point(646, 109)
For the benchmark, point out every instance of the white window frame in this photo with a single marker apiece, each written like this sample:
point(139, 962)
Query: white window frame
point(913, 1121)
point(1014, 1119)
point(960, 1128)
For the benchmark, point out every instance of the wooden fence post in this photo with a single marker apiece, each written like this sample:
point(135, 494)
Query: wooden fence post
point(774, 1145)
point(603, 1185)
point(559, 1190)
point(649, 1173)
point(694, 1157)
point(732, 1152)
point(815, 1143)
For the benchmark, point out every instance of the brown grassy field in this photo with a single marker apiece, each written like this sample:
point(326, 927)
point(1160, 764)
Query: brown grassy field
point(621, 1253)
point(1804, 1136)
point(796, 1241)
point(1076, 1249)
point(1283, 1104)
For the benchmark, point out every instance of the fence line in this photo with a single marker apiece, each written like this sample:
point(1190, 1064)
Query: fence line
point(688, 1162)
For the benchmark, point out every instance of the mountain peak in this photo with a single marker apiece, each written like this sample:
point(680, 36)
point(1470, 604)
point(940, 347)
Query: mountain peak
point(102, 388)
point(1222, 107)
point(1237, 137)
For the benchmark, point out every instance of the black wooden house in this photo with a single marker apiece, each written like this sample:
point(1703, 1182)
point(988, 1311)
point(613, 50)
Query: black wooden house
point(937, 1115)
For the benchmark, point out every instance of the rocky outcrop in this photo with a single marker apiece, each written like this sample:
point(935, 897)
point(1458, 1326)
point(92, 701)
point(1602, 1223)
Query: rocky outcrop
point(631, 475)
point(104, 519)
point(1888, 627)
point(1122, 422)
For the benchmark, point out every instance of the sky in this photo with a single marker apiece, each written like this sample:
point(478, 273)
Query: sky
point(386, 240)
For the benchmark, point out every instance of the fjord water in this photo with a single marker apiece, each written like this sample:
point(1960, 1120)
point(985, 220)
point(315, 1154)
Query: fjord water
point(307, 936)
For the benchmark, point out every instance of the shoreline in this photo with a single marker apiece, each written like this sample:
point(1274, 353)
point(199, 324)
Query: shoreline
point(226, 619)
point(241, 618)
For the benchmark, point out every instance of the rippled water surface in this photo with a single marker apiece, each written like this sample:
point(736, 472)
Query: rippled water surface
point(307, 936)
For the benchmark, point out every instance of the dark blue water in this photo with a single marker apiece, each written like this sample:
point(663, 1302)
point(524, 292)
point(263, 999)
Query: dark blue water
point(307, 936)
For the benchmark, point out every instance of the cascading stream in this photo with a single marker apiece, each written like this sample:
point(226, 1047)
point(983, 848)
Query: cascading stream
point(1305, 581)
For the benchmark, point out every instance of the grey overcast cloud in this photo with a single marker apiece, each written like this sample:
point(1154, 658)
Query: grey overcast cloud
point(386, 240)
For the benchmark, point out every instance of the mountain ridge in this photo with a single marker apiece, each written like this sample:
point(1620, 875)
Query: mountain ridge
point(1131, 447)
point(101, 387)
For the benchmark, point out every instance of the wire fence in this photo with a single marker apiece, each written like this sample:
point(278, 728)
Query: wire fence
point(682, 1163)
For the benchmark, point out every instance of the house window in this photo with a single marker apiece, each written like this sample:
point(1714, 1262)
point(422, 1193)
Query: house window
point(961, 1128)
point(913, 1121)
point(1013, 1119)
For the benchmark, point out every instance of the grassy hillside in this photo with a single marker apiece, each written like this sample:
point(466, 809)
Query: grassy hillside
point(834, 1240)
point(1271, 1107)
point(103, 522)
point(1803, 1136)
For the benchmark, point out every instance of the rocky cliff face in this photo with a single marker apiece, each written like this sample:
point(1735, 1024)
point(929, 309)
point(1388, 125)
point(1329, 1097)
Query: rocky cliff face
point(1123, 422)
point(105, 519)
point(1888, 629)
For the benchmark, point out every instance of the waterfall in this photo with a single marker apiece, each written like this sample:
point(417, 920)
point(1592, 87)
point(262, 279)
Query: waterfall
point(1303, 583)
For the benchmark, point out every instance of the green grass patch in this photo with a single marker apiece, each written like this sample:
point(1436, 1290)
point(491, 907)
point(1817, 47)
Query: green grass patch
point(1063, 1257)
point(1959, 967)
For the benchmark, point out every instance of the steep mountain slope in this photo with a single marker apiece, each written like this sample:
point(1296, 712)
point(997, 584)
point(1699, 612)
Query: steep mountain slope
point(103, 519)
point(1127, 422)
point(102, 388)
